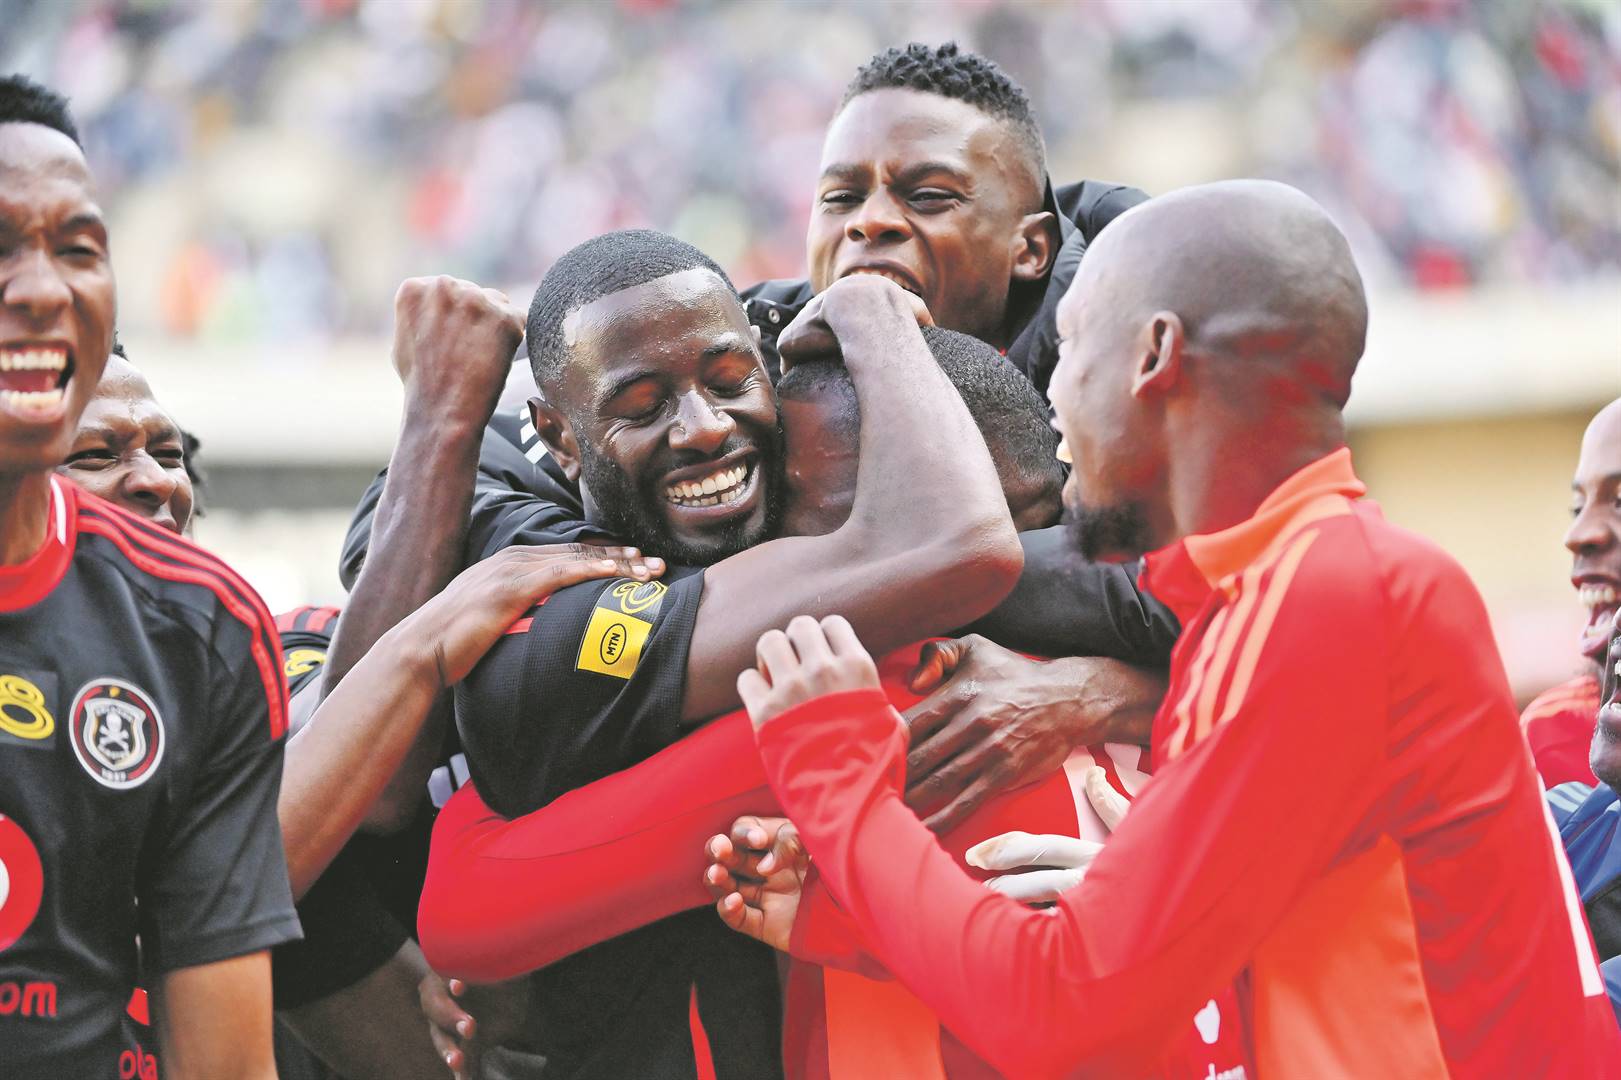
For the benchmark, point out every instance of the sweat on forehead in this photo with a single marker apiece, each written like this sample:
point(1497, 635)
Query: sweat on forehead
point(600, 267)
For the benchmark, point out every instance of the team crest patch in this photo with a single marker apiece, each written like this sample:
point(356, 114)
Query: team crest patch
point(117, 733)
point(620, 622)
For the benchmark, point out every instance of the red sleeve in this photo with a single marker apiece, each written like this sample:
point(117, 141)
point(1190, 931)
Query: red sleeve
point(503, 898)
point(1209, 858)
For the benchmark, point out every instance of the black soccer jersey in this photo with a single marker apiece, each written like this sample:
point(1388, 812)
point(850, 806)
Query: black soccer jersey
point(589, 683)
point(142, 712)
point(306, 635)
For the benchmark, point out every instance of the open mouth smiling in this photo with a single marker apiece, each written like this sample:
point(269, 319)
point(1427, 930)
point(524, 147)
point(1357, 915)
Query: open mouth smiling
point(34, 379)
point(714, 486)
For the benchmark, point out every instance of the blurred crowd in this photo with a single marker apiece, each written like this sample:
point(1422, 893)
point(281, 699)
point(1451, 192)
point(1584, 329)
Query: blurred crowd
point(280, 164)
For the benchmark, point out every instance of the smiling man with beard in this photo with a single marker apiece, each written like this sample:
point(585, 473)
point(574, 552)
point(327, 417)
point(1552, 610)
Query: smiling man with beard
point(654, 398)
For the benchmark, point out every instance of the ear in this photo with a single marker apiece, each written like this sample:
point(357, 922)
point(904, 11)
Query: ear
point(1159, 363)
point(1035, 246)
point(558, 435)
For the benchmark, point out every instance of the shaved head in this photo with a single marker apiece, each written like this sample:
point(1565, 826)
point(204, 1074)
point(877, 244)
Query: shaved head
point(1208, 331)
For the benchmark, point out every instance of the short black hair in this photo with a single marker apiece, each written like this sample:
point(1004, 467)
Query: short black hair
point(600, 267)
point(952, 72)
point(1007, 408)
point(24, 101)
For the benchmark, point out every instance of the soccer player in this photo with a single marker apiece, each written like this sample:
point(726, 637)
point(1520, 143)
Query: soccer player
point(143, 703)
point(1337, 748)
point(129, 451)
point(503, 898)
point(1558, 723)
point(934, 174)
point(656, 400)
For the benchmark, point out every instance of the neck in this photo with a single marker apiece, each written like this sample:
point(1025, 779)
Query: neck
point(1225, 476)
point(24, 506)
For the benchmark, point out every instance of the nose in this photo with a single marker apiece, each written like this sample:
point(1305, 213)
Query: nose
point(148, 484)
point(880, 219)
point(699, 426)
point(35, 287)
point(1593, 530)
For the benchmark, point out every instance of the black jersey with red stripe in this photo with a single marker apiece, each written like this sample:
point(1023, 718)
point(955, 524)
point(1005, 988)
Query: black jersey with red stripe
point(142, 714)
point(306, 635)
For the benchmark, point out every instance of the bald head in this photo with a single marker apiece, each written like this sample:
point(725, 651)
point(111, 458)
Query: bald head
point(1255, 271)
point(1224, 316)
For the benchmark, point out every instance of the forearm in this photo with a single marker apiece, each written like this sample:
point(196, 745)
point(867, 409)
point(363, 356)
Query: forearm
point(837, 771)
point(928, 545)
point(925, 479)
point(1065, 605)
point(503, 898)
point(338, 765)
point(417, 532)
point(215, 1020)
point(416, 548)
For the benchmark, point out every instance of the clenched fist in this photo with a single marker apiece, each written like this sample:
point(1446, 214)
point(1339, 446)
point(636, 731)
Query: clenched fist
point(453, 346)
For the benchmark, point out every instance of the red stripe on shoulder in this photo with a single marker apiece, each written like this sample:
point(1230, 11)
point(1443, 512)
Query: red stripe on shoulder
point(306, 618)
point(180, 549)
point(264, 646)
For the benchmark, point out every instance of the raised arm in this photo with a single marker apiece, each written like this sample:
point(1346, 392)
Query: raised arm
point(928, 545)
point(453, 344)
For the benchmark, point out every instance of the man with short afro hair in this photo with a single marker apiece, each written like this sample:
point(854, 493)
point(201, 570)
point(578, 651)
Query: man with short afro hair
point(24, 101)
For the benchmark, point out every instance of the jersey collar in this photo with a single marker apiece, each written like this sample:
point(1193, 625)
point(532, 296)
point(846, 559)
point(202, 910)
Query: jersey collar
point(29, 582)
point(1184, 574)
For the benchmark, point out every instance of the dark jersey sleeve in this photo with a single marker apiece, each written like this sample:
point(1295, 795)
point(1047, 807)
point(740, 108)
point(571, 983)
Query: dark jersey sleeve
point(590, 682)
point(1064, 605)
point(215, 885)
point(348, 934)
point(306, 635)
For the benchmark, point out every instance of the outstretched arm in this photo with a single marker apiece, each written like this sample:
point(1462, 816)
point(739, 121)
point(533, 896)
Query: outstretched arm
point(453, 344)
point(366, 723)
point(1151, 933)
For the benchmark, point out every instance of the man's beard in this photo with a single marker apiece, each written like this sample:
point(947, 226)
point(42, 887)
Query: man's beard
point(1118, 531)
point(635, 517)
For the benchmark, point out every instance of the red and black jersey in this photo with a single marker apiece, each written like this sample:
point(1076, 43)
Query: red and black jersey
point(142, 712)
point(587, 684)
point(306, 635)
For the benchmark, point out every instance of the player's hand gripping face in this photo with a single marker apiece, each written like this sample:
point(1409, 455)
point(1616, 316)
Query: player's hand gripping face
point(456, 628)
point(813, 335)
point(453, 346)
point(809, 660)
point(756, 874)
point(995, 719)
point(1042, 868)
